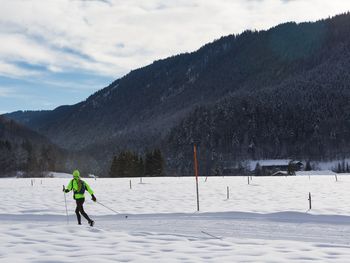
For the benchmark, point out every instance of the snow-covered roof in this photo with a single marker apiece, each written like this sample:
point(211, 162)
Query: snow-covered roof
point(59, 175)
point(271, 162)
point(279, 173)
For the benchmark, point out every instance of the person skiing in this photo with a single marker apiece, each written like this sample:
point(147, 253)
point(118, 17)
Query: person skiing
point(79, 186)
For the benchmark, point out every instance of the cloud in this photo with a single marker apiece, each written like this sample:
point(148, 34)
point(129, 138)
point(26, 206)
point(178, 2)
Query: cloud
point(12, 70)
point(13, 93)
point(60, 51)
point(5, 92)
point(112, 37)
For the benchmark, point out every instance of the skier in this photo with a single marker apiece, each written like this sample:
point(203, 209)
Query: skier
point(79, 186)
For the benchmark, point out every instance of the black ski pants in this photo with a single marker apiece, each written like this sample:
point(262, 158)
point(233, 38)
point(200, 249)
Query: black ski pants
point(80, 210)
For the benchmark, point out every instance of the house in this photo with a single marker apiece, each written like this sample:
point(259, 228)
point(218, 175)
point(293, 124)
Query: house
point(276, 167)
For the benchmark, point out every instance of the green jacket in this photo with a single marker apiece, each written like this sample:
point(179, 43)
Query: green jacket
point(79, 187)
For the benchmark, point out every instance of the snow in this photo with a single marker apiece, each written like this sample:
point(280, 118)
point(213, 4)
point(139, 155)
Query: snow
point(266, 221)
point(317, 173)
point(59, 175)
point(330, 165)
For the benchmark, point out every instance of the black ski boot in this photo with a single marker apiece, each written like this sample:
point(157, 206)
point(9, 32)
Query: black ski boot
point(92, 223)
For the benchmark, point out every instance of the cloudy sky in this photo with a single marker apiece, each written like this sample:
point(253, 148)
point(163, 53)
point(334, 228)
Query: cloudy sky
point(57, 52)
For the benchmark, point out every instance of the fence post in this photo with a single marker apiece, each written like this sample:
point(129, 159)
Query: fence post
point(196, 172)
point(248, 179)
point(310, 201)
point(130, 184)
point(228, 193)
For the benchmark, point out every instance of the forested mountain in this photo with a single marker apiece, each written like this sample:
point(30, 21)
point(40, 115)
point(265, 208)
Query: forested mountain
point(24, 150)
point(278, 93)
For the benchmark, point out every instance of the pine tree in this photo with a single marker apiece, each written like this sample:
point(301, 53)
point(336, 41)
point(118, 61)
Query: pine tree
point(158, 163)
point(127, 164)
point(149, 164)
point(343, 166)
point(291, 168)
point(140, 167)
point(114, 167)
point(154, 163)
point(258, 171)
point(308, 166)
point(339, 168)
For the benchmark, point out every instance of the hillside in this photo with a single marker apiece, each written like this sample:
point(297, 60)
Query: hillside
point(267, 94)
point(24, 150)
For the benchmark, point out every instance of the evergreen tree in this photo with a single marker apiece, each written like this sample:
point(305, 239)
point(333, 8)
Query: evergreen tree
point(343, 166)
point(140, 167)
point(308, 166)
point(127, 164)
point(47, 159)
point(154, 163)
point(114, 167)
point(339, 168)
point(149, 164)
point(158, 163)
point(258, 170)
point(291, 168)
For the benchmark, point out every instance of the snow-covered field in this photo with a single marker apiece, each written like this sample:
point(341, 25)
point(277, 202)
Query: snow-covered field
point(266, 221)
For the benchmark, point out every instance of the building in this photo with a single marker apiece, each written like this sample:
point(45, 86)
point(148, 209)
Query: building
point(276, 167)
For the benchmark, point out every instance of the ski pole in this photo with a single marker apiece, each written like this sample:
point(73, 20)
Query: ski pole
point(107, 207)
point(211, 235)
point(65, 202)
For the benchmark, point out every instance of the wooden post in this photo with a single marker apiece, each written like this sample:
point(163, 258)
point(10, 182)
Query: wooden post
point(130, 184)
point(310, 201)
point(336, 178)
point(248, 179)
point(228, 193)
point(196, 173)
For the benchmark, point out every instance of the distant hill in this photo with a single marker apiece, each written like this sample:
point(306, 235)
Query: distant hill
point(279, 93)
point(24, 150)
point(27, 117)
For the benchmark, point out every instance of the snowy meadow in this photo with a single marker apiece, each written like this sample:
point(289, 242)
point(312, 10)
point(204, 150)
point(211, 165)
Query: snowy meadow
point(156, 220)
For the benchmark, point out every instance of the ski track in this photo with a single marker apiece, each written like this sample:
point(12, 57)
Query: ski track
point(35, 230)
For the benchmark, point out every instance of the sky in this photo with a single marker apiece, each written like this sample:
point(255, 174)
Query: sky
point(58, 52)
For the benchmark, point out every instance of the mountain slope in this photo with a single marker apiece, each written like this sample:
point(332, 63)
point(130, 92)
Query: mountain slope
point(306, 117)
point(252, 77)
point(24, 150)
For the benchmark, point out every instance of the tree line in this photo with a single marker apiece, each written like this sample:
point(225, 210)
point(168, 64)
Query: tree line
point(26, 157)
point(131, 164)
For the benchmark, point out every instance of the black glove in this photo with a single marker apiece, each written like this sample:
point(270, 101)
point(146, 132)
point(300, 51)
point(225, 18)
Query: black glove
point(93, 198)
point(66, 191)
